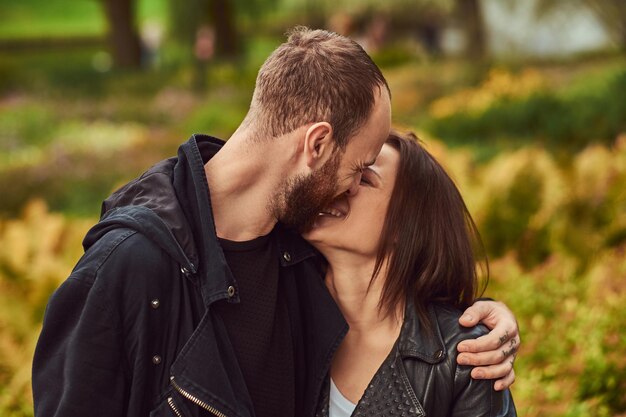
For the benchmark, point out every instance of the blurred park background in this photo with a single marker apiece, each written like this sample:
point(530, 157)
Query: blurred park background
point(523, 101)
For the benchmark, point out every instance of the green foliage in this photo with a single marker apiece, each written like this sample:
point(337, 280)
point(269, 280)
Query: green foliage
point(50, 18)
point(24, 125)
point(604, 381)
point(62, 18)
point(9, 75)
point(216, 118)
point(526, 203)
point(557, 120)
point(509, 213)
point(394, 55)
point(571, 360)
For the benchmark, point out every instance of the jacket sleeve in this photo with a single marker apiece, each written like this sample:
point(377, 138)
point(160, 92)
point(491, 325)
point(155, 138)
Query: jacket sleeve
point(477, 397)
point(79, 364)
point(474, 397)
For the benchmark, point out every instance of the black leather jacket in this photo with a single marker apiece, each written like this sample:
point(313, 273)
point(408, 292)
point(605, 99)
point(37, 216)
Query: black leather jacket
point(420, 377)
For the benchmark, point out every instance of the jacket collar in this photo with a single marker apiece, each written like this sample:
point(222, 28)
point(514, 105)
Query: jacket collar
point(220, 382)
point(193, 191)
point(416, 342)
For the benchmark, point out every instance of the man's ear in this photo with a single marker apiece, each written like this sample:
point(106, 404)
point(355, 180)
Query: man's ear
point(319, 144)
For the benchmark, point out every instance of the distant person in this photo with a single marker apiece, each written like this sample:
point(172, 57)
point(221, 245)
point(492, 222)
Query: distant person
point(401, 266)
point(203, 51)
point(195, 297)
point(151, 41)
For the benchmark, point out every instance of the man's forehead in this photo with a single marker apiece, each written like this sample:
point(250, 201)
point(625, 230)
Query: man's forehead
point(368, 153)
point(366, 156)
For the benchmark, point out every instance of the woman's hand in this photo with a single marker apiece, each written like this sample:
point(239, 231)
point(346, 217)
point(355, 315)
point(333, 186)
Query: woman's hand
point(493, 354)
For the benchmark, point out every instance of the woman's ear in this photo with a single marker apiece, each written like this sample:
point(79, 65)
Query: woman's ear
point(319, 144)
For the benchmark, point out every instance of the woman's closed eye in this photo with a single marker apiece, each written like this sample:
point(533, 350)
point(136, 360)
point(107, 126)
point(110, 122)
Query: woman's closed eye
point(365, 181)
point(368, 179)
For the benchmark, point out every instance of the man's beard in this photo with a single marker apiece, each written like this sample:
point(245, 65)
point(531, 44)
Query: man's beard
point(301, 199)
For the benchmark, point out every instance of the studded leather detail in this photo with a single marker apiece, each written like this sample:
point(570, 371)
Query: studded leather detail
point(324, 401)
point(388, 394)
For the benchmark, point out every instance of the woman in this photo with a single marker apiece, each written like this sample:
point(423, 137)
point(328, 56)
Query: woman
point(401, 267)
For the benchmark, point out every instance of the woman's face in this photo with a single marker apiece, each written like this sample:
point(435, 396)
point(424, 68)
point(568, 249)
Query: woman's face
point(354, 223)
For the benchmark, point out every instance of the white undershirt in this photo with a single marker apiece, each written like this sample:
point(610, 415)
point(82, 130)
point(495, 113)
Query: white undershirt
point(338, 405)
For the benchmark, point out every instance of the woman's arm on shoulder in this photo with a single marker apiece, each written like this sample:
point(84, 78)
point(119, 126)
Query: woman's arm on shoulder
point(493, 354)
point(477, 397)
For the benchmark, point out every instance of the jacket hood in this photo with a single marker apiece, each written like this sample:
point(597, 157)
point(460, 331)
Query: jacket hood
point(151, 205)
point(145, 221)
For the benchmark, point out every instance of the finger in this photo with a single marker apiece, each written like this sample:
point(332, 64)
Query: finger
point(493, 357)
point(494, 371)
point(494, 340)
point(474, 313)
point(506, 382)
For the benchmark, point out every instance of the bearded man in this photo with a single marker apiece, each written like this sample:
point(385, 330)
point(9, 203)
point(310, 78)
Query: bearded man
point(195, 295)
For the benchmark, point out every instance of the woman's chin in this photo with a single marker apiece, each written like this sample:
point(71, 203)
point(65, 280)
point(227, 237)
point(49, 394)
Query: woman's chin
point(312, 234)
point(319, 230)
point(317, 224)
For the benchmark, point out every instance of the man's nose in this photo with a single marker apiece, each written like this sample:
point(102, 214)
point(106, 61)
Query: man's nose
point(354, 186)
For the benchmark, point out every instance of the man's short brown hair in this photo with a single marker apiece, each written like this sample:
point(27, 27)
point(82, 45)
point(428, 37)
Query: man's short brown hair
point(315, 76)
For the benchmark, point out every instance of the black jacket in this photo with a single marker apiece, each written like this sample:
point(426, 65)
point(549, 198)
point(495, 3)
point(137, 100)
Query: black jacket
point(421, 377)
point(131, 331)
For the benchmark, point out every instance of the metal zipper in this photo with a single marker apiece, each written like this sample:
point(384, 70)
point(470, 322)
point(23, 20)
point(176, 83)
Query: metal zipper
point(194, 400)
point(170, 401)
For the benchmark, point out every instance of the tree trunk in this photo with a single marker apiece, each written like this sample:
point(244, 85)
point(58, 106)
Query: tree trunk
point(471, 18)
point(123, 36)
point(186, 17)
point(226, 37)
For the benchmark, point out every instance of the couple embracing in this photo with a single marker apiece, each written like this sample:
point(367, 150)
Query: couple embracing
point(315, 264)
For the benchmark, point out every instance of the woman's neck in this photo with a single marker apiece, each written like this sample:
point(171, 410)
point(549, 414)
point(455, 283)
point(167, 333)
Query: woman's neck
point(372, 332)
point(349, 280)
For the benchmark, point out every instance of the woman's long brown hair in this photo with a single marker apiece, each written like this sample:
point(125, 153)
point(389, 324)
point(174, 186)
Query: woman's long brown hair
point(429, 242)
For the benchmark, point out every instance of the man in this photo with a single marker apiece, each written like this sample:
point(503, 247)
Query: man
point(194, 296)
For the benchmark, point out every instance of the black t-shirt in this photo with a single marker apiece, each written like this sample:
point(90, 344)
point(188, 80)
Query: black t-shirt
point(259, 326)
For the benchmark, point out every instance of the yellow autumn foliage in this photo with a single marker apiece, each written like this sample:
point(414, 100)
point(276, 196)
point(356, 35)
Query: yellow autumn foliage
point(499, 85)
point(37, 252)
point(556, 234)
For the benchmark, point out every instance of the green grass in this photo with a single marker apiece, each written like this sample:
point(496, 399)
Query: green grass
point(24, 19)
point(40, 18)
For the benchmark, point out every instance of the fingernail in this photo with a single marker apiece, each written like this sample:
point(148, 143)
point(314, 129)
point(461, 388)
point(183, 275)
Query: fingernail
point(467, 317)
point(479, 374)
point(463, 360)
